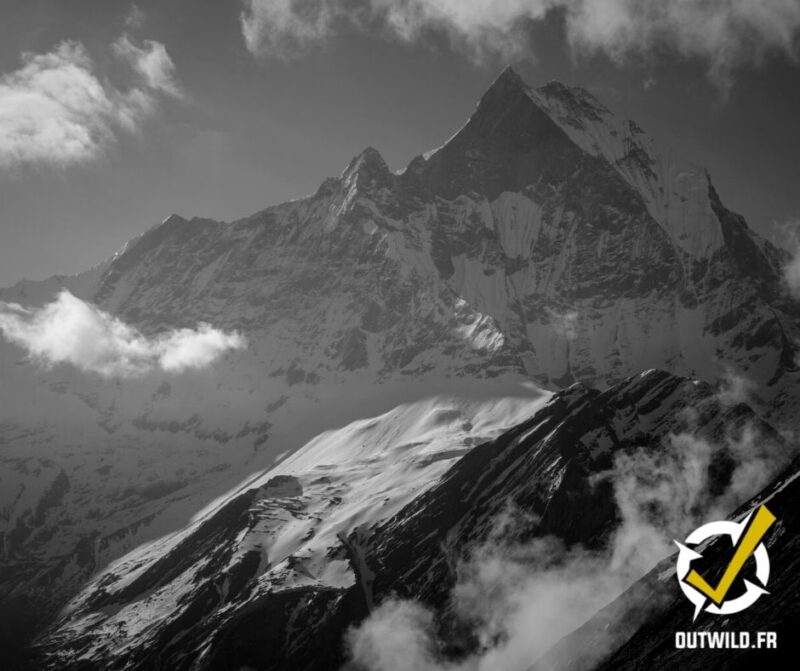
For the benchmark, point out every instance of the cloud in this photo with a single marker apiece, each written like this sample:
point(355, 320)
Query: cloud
point(286, 28)
point(151, 62)
point(68, 330)
point(725, 34)
point(734, 388)
point(398, 635)
point(135, 18)
point(55, 110)
point(520, 599)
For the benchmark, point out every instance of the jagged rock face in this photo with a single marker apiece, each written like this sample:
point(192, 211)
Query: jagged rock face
point(547, 239)
point(208, 599)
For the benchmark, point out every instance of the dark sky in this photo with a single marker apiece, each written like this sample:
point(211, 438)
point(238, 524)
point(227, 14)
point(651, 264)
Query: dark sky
point(247, 131)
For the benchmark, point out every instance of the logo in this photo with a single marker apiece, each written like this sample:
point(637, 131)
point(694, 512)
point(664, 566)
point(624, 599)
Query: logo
point(746, 537)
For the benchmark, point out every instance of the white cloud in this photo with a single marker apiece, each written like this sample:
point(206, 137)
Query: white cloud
point(735, 388)
point(56, 110)
point(398, 635)
point(521, 598)
point(151, 62)
point(68, 330)
point(285, 28)
point(725, 34)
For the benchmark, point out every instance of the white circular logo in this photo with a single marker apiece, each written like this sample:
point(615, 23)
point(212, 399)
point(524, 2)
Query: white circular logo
point(746, 540)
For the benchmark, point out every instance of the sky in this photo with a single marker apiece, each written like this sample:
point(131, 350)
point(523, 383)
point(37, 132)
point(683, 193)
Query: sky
point(114, 115)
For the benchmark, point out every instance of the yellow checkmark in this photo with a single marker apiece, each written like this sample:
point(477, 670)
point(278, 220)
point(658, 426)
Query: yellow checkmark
point(759, 525)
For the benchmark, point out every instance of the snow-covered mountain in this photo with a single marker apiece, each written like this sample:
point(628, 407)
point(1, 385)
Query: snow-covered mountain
point(272, 576)
point(547, 242)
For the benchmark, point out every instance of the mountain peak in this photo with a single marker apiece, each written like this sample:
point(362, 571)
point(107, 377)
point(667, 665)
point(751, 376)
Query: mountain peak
point(366, 167)
point(510, 76)
point(508, 82)
point(555, 99)
point(509, 142)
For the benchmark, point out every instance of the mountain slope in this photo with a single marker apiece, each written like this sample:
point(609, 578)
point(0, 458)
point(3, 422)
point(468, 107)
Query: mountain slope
point(248, 586)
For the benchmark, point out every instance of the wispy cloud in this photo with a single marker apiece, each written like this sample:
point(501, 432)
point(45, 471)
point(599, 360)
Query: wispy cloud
point(725, 34)
point(735, 388)
point(521, 598)
point(56, 110)
point(71, 331)
point(135, 18)
point(286, 28)
point(151, 62)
